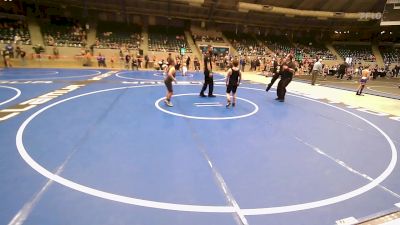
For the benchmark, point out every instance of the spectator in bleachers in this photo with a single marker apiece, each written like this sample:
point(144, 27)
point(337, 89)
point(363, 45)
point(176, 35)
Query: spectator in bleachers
point(17, 39)
point(196, 64)
point(10, 50)
point(6, 58)
point(242, 63)
point(188, 62)
point(146, 61)
point(135, 63)
point(56, 52)
point(177, 63)
point(17, 51)
point(38, 49)
point(396, 70)
point(127, 61)
point(342, 70)
point(23, 54)
point(101, 60)
point(139, 60)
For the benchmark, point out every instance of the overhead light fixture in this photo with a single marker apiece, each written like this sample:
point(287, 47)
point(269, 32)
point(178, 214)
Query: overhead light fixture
point(193, 2)
point(338, 14)
point(268, 7)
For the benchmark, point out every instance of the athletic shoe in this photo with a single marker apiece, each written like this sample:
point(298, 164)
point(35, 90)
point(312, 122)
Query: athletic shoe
point(233, 104)
point(228, 104)
point(169, 104)
point(202, 95)
point(212, 96)
point(281, 100)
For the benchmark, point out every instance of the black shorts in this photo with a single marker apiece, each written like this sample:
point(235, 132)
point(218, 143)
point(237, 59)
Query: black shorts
point(168, 84)
point(231, 88)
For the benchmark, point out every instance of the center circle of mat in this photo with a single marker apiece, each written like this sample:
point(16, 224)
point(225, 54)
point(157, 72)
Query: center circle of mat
point(255, 110)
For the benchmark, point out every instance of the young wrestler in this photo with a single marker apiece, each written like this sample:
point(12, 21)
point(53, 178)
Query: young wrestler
point(170, 76)
point(365, 74)
point(232, 82)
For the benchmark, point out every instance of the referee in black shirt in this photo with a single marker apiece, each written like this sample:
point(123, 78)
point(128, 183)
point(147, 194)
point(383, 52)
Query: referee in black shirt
point(208, 76)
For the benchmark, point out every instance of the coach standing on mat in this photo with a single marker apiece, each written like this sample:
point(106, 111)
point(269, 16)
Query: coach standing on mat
point(288, 70)
point(275, 74)
point(208, 75)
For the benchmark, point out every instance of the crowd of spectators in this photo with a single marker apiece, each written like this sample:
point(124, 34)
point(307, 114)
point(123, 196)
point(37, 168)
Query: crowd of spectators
point(356, 52)
point(313, 50)
point(117, 35)
point(14, 31)
point(390, 55)
point(246, 44)
point(167, 39)
point(63, 32)
point(207, 38)
point(280, 45)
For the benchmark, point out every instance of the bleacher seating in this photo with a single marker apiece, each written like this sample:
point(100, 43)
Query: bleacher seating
point(390, 54)
point(278, 44)
point(12, 30)
point(311, 49)
point(115, 35)
point(357, 52)
point(245, 44)
point(64, 32)
point(207, 38)
point(202, 35)
point(163, 39)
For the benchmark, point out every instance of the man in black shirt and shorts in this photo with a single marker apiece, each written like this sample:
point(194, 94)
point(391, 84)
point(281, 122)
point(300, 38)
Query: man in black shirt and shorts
point(275, 74)
point(208, 75)
point(288, 70)
point(232, 82)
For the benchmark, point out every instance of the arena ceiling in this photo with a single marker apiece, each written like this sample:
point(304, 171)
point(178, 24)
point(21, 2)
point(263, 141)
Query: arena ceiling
point(326, 5)
point(226, 11)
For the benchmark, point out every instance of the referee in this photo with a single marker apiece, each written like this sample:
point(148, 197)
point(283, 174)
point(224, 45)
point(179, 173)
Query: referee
point(208, 76)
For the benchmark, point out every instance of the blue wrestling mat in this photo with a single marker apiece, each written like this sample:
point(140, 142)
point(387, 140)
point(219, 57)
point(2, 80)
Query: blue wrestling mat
point(101, 147)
